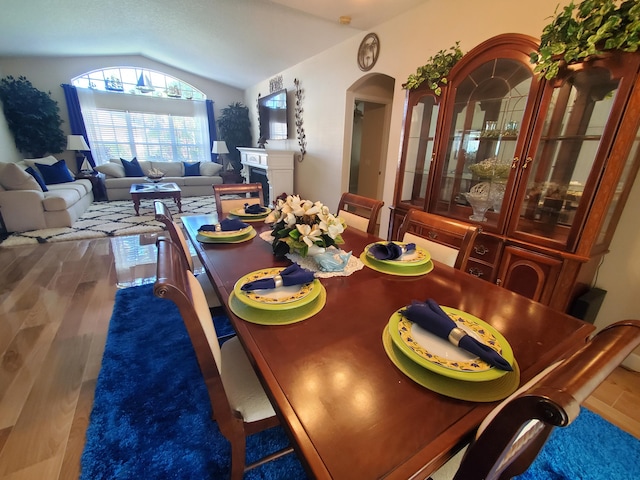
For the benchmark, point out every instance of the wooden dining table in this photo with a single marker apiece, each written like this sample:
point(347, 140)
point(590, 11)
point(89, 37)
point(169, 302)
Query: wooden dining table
point(348, 410)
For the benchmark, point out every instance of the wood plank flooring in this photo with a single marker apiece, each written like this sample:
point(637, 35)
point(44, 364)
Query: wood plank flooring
point(55, 304)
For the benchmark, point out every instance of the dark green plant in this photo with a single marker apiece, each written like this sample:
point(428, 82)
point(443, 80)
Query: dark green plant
point(585, 30)
point(32, 117)
point(235, 129)
point(435, 71)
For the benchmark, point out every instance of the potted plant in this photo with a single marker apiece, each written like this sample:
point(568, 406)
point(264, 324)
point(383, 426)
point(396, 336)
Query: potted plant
point(32, 117)
point(581, 31)
point(235, 129)
point(435, 71)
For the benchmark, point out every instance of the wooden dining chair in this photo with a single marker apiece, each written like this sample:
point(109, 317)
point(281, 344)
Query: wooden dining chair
point(512, 435)
point(163, 214)
point(230, 196)
point(360, 212)
point(447, 240)
point(239, 403)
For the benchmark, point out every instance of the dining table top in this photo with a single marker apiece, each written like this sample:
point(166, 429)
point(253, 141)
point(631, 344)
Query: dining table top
point(349, 411)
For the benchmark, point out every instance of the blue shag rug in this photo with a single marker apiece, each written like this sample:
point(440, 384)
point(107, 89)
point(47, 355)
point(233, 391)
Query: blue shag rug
point(151, 416)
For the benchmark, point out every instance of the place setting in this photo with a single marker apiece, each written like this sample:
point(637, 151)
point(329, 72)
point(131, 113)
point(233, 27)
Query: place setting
point(250, 213)
point(397, 258)
point(451, 352)
point(277, 296)
point(229, 230)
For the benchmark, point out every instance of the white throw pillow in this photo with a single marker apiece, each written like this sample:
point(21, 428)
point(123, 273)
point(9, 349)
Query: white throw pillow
point(48, 160)
point(111, 169)
point(15, 178)
point(210, 169)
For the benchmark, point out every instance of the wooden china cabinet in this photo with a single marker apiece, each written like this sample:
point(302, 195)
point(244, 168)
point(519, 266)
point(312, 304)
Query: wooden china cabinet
point(544, 167)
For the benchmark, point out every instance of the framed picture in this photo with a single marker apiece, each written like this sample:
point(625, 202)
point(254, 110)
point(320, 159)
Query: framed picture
point(368, 52)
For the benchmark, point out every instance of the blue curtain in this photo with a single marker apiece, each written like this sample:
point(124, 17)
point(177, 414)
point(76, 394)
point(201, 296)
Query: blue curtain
point(213, 136)
point(76, 122)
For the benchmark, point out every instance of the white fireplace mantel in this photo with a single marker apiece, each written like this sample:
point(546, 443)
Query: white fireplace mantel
point(276, 164)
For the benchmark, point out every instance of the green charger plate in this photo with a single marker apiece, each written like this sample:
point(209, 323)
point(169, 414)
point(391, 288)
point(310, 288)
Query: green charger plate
point(279, 317)
point(474, 370)
point(489, 391)
point(249, 217)
point(243, 238)
point(423, 256)
point(404, 271)
point(305, 294)
point(231, 234)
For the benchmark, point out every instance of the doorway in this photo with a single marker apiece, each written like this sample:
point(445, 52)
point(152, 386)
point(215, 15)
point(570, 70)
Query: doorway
point(369, 103)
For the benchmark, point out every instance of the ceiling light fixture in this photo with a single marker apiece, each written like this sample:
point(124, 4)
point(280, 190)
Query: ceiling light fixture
point(345, 20)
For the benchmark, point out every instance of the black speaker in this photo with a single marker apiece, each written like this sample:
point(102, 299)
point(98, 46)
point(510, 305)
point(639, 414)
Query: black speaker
point(586, 306)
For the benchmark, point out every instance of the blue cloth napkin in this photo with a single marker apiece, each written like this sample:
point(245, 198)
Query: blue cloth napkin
point(294, 274)
point(390, 251)
point(432, 318)
point(226, 225)
point(254, 209)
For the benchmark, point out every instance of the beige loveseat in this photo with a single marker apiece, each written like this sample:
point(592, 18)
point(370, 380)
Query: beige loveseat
point(118, 185)
point(25, 206)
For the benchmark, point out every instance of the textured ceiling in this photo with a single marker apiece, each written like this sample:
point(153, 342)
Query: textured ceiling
point(236, 42)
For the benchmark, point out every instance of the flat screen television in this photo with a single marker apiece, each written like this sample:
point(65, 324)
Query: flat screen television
point(273, 115)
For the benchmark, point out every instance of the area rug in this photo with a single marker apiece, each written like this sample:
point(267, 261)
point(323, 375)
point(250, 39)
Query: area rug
point(111, 219)
point(152, 419)
point(151, 416)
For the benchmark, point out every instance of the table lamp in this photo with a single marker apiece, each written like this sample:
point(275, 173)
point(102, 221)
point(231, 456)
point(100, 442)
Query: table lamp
point(78, 143)
point(220, 148)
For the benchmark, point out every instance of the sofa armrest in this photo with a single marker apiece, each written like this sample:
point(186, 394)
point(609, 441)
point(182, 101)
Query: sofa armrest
point(22, 210)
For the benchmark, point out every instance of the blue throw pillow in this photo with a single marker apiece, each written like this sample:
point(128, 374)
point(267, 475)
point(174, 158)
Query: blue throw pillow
point(132, 168)
point(38, 178)
point(191, 169)
point(56, 173)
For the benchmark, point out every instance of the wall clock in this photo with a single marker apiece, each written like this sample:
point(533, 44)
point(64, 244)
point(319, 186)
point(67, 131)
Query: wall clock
point(368, 52)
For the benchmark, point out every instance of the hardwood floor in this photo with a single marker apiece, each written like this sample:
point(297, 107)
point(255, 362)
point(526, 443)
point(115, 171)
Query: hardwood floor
point(55, 305)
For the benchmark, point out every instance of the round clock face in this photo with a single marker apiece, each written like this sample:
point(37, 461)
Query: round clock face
point(368, 52)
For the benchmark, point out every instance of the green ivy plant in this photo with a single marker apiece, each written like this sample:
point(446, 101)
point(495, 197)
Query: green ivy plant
point(435, 71)
point(581, 31)
point(32, 117)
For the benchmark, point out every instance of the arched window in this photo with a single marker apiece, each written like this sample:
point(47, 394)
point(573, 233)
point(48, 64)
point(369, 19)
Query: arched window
point(132, 112)
point(137, 81)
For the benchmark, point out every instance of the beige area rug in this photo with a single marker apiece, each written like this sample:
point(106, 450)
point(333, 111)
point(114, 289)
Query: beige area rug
point(112, 219)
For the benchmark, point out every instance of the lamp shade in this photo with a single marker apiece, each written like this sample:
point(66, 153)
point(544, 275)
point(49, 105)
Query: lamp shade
point(77, 143)
point(219, 147)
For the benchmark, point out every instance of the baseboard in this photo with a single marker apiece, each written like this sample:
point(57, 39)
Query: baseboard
point(632, 362)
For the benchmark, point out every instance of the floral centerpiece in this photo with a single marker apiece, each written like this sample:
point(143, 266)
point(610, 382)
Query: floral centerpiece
point(491, 168)
point(300, 226)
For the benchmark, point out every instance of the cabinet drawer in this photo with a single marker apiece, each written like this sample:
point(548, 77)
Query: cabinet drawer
point(480, 270)
point(486, 248)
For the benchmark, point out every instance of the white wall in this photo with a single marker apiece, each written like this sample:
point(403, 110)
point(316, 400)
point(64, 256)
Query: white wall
point(407, 42)
point(8, 151)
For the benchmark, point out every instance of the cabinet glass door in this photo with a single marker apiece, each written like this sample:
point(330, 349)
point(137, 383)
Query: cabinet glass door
point(419, 145)
point(561, 179)
point(483, 137)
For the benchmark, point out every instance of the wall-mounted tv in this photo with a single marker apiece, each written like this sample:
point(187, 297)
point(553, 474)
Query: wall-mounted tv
point(272, 109)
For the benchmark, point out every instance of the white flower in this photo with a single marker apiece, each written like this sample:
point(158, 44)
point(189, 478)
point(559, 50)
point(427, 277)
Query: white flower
point(310, 234)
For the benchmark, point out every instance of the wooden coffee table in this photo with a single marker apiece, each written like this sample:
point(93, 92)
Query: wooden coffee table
point(155, 191)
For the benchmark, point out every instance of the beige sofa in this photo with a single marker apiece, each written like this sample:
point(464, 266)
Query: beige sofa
point(25, 206)
point(118, 184)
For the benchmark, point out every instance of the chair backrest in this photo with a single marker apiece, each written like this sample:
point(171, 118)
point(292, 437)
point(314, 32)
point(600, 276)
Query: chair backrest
point(175, 231)
point(227, 194)
point(513, 434)
point(447, 240)
point(360, 212)
point(177, 283)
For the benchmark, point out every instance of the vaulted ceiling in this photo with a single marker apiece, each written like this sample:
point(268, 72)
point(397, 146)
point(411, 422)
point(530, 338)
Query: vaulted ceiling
point(236, 42)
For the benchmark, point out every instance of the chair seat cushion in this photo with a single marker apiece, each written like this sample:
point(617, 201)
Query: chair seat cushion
point(243, 388)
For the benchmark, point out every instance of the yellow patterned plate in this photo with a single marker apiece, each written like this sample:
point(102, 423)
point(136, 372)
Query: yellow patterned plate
point(281, 298)
point(408, 271)
point(240, 213)
point(280, 317)
point(228, 234)
point(489, 391)
point(419, 256)
point(444, 358)
point(247, 236)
